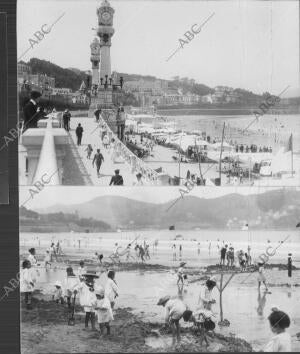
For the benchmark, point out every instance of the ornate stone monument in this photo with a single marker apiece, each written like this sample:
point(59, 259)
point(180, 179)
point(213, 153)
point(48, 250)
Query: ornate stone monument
point(102, 82)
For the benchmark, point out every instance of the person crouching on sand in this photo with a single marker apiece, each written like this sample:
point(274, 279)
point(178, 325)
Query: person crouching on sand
point(281, 342)
point(87, 297)
point(202, 321)
point(104, 310)
point(175, 309)
point(58, 293)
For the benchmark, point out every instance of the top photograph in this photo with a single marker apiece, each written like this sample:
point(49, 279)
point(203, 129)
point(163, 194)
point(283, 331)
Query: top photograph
point(158, 93)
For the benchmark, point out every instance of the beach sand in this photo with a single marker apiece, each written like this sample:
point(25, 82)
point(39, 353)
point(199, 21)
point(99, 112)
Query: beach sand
point(45, 329)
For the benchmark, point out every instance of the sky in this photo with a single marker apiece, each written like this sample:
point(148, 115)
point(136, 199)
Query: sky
point(248, 44)
point(52, 195)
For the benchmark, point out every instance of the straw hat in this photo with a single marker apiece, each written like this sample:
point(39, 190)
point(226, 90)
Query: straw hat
point(91, 273)
point(163, 300)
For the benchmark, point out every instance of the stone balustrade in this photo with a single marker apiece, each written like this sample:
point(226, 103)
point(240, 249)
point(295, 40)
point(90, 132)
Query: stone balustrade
point(137, 165)
point(47, 168)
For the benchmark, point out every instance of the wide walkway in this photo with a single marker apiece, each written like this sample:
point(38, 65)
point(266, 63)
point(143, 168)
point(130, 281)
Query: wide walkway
point(91, 136)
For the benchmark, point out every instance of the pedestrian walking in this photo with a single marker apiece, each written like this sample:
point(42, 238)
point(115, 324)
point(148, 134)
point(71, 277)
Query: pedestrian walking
point(79, 132)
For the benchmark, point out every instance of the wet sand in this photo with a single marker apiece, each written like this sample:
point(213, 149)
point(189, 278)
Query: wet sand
point(45, 329)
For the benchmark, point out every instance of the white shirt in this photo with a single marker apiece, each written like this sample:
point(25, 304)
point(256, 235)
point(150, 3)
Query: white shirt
point(111, 289)
point(31, 258)
point(279, 343)
point(204, 296)
point(26, 280)
point(174, 309)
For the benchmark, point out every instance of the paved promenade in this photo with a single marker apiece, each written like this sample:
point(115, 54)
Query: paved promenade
point(91, 136)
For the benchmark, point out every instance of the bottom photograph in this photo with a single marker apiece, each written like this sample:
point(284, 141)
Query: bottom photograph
point(159, 269)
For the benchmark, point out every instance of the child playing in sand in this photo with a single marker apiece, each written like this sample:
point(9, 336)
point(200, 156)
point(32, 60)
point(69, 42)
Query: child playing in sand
point(104, 310)
point(89, 151)
point(58, 293)
point(261, 276)
point(70, 284)
point(281, 342)
point(87, 297)
point(202, 321)
point(27, 282)
point(175, 309)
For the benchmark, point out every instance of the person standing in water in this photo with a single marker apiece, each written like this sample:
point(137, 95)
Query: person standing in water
point(180, 251)
point(174, 251)
point(198, 248)
point(261, 276)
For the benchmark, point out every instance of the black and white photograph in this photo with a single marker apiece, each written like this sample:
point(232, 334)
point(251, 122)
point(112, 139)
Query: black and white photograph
point(158, 164)
point(148, 270)
point(159, 93)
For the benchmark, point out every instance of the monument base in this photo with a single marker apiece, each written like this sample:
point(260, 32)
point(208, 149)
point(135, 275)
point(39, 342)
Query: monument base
point(103, 100)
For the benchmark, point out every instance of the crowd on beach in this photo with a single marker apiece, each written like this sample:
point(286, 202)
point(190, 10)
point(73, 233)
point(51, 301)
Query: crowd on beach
point(98, 299)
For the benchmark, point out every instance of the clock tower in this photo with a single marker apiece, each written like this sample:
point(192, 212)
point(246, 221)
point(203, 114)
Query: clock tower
point(102, 85)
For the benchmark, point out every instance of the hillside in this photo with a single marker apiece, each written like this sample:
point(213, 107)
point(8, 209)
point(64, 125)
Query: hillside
point(274, 209)
point(63, 77)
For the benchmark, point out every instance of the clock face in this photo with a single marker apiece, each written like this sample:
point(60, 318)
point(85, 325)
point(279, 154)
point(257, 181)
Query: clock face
point(106, 16)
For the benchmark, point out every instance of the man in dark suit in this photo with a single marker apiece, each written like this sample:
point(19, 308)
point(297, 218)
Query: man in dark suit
point(79, 131)
point(31, 111)
point(117, 179)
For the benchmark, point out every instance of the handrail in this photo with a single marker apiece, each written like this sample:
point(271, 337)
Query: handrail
point(137, 165)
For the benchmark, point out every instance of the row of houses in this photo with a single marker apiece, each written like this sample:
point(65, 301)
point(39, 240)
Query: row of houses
point(149, 92)
point(46, 85)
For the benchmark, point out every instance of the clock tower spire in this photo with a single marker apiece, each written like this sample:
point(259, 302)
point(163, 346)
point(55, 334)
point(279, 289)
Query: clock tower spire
point(101, 93)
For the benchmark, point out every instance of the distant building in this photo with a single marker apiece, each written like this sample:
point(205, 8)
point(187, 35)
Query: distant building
point(61, 91)
point(155, 87)
point(28, 81)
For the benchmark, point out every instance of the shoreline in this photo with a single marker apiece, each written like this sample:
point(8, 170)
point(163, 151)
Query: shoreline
point(47, 324)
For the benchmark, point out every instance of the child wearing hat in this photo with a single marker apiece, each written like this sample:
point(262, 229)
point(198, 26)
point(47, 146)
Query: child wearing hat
point(104, 310)
point(175, 309)
point(58, 293)
point(281, 342)
point(87, 297)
